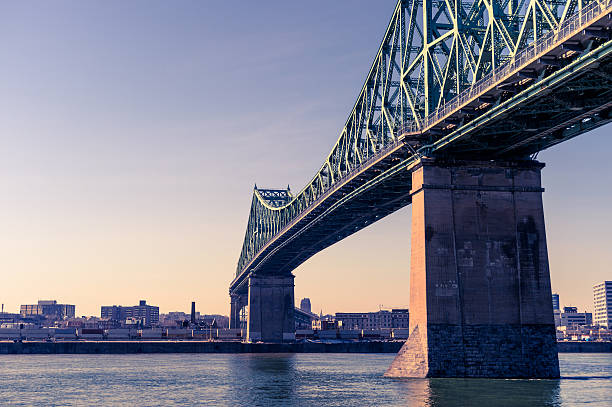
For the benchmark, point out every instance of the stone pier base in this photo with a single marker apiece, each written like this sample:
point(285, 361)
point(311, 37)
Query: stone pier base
point(271, 309)
point(480, 297)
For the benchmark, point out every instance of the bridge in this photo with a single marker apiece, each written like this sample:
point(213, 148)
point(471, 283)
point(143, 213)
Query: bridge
point(458, 102)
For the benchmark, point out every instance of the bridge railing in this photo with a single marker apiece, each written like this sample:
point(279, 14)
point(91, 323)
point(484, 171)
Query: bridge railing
point(566, 30)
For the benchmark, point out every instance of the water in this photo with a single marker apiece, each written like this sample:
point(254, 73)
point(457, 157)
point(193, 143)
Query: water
point(280, 380)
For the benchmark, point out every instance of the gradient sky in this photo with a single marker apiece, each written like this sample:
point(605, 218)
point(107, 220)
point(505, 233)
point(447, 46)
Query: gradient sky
point(131, 134)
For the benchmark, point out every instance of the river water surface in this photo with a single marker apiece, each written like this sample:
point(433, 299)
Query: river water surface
point(280, 380)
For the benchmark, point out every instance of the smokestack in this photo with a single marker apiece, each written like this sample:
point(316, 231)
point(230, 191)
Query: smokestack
point(193, 320)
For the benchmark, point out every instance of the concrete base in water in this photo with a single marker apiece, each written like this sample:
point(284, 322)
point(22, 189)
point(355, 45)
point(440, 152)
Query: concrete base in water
point(480, 297)
point(270, 309)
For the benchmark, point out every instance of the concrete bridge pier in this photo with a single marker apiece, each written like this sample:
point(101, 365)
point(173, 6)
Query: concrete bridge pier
point(480, 297)
point(237, 302)
point(270, 309)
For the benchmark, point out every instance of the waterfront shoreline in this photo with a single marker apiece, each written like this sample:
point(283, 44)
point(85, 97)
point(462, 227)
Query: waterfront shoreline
point(135, 347)
point(129, 347)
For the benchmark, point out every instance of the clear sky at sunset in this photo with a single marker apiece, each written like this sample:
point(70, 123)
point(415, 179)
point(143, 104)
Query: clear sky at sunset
point(132, 132)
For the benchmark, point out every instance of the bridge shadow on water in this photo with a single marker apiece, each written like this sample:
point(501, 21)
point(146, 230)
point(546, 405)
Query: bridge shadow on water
point(332, 380)
point(265, 379)
point(480, 392)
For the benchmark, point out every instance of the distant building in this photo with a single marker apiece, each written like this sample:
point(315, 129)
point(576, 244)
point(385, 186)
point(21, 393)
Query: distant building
point(113, 312)
point(602, 301)
point(584, 333)
point(555, 300)
point(305, 305)
point(48, 309)
point(326, 325)
point(7, 317)
point(148, 315)
point(178, 316)
point(557, 317)
point(320, 319)
point(353, 320)
point(395, 318)
point(571, 317)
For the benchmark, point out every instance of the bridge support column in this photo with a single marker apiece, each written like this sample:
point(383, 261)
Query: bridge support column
point(480, 297)
point(237, 301)
point(271, 308)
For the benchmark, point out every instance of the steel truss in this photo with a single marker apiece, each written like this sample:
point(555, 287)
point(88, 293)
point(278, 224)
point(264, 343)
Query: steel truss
point(432, 53)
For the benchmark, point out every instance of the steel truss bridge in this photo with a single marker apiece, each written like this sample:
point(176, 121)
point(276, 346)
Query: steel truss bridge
point(477, 79)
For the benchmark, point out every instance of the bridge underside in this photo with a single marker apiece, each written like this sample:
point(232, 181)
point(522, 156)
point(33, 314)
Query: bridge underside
point(523, 116)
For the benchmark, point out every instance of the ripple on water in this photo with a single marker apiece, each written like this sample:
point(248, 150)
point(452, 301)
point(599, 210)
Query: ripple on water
point(280, 380)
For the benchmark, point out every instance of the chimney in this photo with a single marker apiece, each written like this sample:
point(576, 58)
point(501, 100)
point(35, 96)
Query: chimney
point(193, 319)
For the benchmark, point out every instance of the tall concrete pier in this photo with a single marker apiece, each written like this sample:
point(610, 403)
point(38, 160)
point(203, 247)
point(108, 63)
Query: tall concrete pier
point(270, 309)
point(480, 297)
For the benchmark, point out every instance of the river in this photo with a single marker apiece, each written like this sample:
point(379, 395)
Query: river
point(280, 380)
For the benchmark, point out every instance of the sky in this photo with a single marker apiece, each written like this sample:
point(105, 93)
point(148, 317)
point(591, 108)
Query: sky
point(132, 133)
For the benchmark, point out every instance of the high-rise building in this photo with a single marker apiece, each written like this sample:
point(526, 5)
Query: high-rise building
point(48, 308)
point(148, 314)
point(305, 305)
point(555, 299)
point(602, 301)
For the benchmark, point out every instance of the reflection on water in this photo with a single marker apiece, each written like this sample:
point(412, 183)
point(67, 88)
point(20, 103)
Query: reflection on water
point(280, 380)
point(261, 377)
point(485, 392)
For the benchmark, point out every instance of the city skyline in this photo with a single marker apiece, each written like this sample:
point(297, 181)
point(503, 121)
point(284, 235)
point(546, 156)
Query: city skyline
point(298, 304)
point(135, 179)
